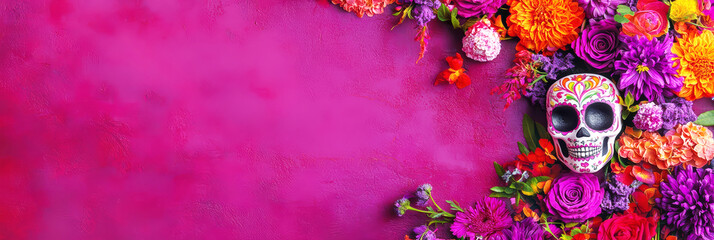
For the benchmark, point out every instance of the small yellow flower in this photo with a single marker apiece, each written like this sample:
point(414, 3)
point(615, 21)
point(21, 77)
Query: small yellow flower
point(684, 10)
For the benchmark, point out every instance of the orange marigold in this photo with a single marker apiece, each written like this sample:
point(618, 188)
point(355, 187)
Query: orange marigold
point(696, 60)
point(544, 25)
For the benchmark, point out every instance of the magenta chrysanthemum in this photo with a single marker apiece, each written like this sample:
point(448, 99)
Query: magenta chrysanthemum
point(649, 117)
point(482, 43)
point(489, 216)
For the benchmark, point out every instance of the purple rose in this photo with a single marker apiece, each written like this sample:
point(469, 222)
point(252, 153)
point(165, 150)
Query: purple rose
point(575, 197)
point(598, 44)
point(470, 8)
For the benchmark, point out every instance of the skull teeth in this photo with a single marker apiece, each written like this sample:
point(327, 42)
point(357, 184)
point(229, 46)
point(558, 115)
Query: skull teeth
point(584, 152)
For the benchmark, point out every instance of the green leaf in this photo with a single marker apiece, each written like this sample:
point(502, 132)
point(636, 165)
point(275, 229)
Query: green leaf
point(496, 189)
point(499, 169)
point(408, 10)
point(397, 13)
point(503, 195)
point(443, 13)
point(509, 191)
point(524, 187)
point(633, 108)
point(542, 132)
point(469, 22)
point(454, 21)
point(706, 119)
point(629, 99)
point(621, 19)
point(625, 114)
point(523, 149)
point(436, 215)
point(429, 208)
point(573, 224)
point(529, 132)
point(624, 10)
point(541, 178)
point(455, 206)
point(518, 199)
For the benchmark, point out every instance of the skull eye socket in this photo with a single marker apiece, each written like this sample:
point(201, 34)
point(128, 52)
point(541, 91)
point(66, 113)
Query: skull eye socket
point(564, 118)
point(599, 116)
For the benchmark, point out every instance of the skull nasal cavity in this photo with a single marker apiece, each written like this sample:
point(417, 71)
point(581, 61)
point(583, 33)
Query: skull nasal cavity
point(582, 133)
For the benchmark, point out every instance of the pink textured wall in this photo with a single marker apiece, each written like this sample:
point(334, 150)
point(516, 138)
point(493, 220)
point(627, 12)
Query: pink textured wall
point(210, 119)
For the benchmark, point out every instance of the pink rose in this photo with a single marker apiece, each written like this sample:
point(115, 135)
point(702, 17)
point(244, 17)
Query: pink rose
point(650, 21)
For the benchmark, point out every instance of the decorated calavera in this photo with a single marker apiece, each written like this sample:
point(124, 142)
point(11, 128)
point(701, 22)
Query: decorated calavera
point(583, 112)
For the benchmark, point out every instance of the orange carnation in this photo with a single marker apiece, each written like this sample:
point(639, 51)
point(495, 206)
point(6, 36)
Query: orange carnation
point(544, 25)
point(689, 144)
point(696, 60)
point(362, 7)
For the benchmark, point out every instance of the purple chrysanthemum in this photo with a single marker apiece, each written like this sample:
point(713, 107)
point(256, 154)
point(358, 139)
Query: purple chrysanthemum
point(487, 217)
point(528, 229)
point(617, 195)
point(423, 194)
point(649, 117)
point(688, 202)
point(600, 9)
point(677, 111)
point(646, 68)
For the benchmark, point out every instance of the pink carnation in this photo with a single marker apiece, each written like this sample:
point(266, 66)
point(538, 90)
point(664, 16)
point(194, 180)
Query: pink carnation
point(482, 43)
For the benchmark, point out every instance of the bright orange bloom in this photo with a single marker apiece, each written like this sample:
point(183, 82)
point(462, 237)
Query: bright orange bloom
point(455, 73)
point(696, 65)
point(689, 144)
point(544, 25)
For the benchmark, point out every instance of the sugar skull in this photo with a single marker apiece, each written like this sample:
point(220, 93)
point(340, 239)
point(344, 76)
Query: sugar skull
point(583, 113)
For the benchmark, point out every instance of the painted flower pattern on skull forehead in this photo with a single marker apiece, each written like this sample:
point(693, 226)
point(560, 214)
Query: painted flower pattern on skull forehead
point(580, 90)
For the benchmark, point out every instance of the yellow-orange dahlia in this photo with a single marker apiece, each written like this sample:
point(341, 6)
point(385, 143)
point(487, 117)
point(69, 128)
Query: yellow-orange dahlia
point(544, 25)
point(696, 65)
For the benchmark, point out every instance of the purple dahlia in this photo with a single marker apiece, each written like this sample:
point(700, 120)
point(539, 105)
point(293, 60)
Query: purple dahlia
point(470, 8)
point(687, 202)
point(646, 68)
point(488, 217)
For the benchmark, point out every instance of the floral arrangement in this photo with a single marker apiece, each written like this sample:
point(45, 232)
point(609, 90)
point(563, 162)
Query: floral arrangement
point(659, 181)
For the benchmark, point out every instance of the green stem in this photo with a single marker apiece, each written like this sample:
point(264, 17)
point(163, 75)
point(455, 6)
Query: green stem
point(419, 210)
point(446, 214)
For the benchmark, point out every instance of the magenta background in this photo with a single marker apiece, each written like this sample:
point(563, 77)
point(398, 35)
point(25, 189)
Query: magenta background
point(210, 119)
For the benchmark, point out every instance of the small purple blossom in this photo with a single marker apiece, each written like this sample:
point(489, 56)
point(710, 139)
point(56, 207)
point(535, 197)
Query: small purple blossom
point(649, 117)
point(677, 111)
point(646, 68)
point(424, 233)
point(423, 14)
point(423, 194)
point(401, 206)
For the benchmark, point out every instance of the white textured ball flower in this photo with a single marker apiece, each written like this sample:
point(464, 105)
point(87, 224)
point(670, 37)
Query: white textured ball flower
point(482, 43)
